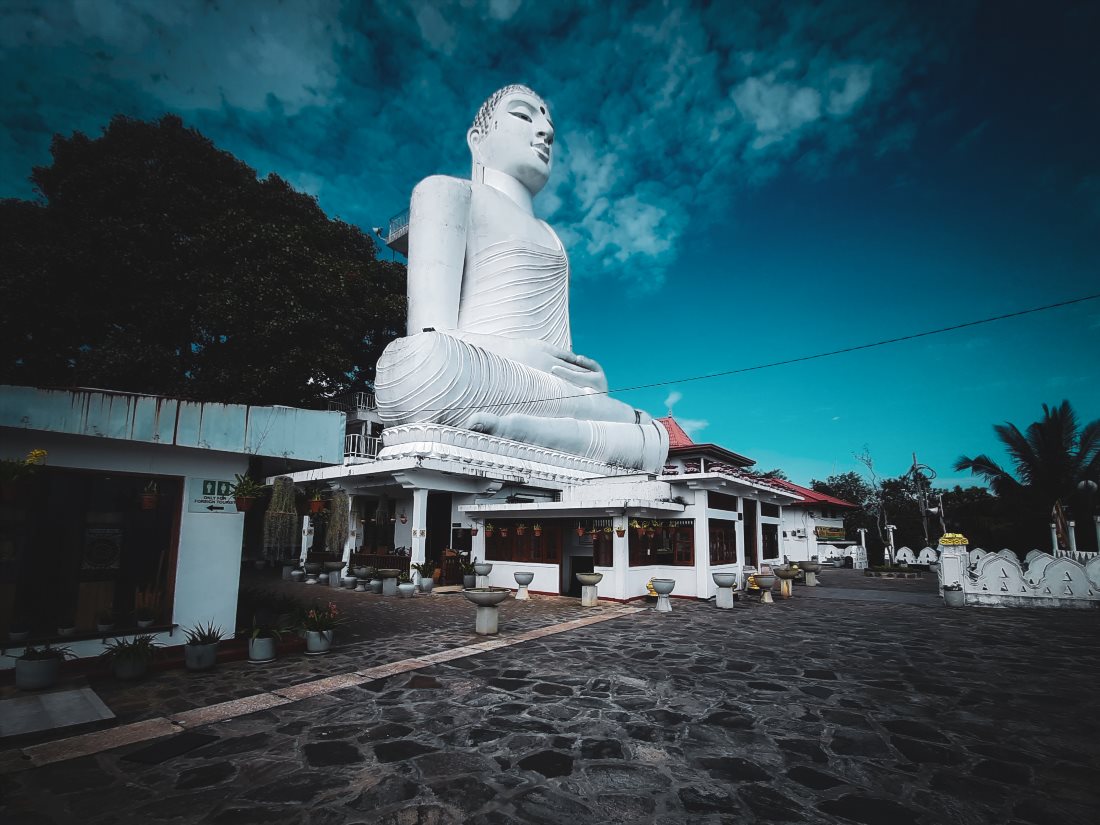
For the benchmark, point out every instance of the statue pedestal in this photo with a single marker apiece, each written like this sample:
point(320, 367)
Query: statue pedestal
point(811, 578)
point(723, 599)
point(589, 596)
point(488, 620)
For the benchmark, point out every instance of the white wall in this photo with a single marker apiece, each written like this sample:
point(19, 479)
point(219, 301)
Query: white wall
point(208, 559)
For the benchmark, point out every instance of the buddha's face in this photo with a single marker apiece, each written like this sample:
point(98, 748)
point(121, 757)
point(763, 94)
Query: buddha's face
point(517, 141)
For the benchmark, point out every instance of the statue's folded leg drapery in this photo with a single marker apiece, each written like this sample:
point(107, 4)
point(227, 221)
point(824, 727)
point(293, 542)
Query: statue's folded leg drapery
point(433, 377)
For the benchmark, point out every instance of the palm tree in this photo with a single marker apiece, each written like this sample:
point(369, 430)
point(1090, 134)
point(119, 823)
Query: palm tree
point(1051, 459)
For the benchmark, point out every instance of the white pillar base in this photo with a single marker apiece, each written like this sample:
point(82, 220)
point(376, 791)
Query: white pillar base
point(522, 595)
point(785, 588)
point(389, 587)
point(766, 597)
point(488, 618)
point(589, 596)
point(481, 581)
point(724, 598)
point(811, 579)
point(664, 604)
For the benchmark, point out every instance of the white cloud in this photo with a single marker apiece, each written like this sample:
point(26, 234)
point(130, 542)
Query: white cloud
point(672, 399)
point(691, 426)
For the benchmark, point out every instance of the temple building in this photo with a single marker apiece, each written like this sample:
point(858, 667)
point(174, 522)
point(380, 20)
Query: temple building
point(556, 515)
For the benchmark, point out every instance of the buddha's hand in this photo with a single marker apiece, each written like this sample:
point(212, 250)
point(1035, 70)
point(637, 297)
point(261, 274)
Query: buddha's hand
point(578, 370)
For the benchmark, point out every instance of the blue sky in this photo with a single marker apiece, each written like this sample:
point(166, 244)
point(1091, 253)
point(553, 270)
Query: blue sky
point(736, 183)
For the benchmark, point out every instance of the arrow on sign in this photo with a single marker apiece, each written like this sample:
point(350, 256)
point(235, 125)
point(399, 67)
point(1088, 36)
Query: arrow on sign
point(211, 507)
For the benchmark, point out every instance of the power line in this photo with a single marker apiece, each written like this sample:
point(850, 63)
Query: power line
point(785, 362)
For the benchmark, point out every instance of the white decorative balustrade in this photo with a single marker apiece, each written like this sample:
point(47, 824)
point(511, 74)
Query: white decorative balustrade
point(1041, 580)
point(361, 447)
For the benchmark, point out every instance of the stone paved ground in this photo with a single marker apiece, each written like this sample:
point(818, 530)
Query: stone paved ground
point(824, 708)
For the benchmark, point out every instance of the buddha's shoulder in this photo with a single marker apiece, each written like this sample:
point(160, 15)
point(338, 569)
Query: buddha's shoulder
point(443, 187)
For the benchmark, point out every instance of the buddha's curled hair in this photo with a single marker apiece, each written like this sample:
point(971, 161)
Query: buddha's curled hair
point(485, 113)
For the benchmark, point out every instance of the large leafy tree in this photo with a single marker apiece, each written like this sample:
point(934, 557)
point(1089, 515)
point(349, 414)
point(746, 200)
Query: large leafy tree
point(154, 262)
point(1050, 459)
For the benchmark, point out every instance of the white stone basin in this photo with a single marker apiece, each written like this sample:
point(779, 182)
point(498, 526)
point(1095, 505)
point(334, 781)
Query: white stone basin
point(483, 568)
point(486, 596)
point(389, 573)
point(312, 567)
point(663, 586)
point(524, 578)
point(589, 579)
point(333, 566)
point(785, 572)
point(810, 566)
point(724, 579)
point(765, 581)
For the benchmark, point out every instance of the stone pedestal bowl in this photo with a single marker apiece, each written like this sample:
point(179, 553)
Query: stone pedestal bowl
point(483, 568)
point(810, 566)
point(591, 579)
point(333, 566)
point(663, 586)
point(724, 579)
point(786, 573)
point(524, 578)
point(389, 573)
point(486, 596)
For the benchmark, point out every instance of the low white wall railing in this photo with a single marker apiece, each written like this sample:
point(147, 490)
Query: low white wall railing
point(362, 446)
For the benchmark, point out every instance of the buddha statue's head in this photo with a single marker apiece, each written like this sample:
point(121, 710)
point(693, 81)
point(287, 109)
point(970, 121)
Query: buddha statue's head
point(513, 134)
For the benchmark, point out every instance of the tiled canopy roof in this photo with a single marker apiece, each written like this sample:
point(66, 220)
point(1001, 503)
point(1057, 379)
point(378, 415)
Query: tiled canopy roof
point(811, 496)
point(676, 435)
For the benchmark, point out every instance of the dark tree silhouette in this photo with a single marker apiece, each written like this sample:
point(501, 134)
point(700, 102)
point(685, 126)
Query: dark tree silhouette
point(155, 262)
point(1050, 459)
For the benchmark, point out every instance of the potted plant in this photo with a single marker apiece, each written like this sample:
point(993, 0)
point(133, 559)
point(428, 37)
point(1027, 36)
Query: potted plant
point(319, 626)
point(66, 625)
point(245, 491)
point(953, 595)
point(39, 667)
point(12, 470)
point(536, 529)
point(144, 616)
point(580, 530)
point(281, 520)
point(149, 496)
point(130, 658)
point(104, 621)
point(638, 527)
point(608, 530)
point(405, 587)
point(200, 651)
point(620, 531)
point(426, 570)
point(19, 630)
point(339, 529)
point(262, 638)
point(504, 532)
point(521, 528)
point(489, 529)
point(473, 530)
point(469, 577)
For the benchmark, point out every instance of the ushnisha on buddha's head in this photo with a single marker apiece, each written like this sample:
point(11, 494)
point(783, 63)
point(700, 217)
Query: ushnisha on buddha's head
point(514, 135)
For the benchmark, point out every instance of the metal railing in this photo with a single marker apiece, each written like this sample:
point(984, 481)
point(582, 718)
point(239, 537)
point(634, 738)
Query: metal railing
point(399, 224)
point(362, 446)
point(356, 402)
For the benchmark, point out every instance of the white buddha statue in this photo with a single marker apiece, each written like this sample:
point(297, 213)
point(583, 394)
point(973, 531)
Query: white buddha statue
point(488, 346)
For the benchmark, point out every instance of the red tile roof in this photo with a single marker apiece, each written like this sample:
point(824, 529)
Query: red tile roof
point(811, 496)
point(676, 435)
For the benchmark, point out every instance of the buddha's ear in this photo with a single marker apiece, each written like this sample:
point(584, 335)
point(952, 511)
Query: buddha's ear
point(473, 140)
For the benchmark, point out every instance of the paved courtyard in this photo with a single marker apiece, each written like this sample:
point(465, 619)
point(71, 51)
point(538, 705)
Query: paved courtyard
point(859, 702)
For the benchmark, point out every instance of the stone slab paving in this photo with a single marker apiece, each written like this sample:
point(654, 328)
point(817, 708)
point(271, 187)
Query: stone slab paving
point(808, 710)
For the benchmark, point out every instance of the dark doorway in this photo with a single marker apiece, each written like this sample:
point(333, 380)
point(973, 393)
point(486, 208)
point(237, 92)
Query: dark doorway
point(439, 526)
point(751, 557)
point(572, 566)
point(770, 539)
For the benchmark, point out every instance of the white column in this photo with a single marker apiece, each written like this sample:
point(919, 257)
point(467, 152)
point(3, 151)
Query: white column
point(1072, 525)
point(703, 581)
point(419, 523)
point(1053, 539)
point(739, 532)
point(889, 544)
point(349, 544)
point(620, 558)
point(307, 537)
point(1096, 520)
